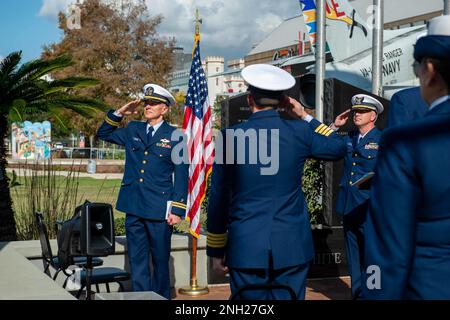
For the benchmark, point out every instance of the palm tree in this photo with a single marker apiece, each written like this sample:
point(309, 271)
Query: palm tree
point(24, 91)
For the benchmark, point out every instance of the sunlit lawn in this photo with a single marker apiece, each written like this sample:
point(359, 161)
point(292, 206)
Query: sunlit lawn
point(94, 190)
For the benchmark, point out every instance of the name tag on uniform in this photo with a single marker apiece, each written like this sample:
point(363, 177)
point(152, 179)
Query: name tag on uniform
point(164, 143)
point(371, 146)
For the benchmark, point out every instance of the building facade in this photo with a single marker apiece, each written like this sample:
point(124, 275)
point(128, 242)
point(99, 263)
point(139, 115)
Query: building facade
point(220, 82)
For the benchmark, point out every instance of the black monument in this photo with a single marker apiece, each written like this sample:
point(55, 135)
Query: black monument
point(330, 259)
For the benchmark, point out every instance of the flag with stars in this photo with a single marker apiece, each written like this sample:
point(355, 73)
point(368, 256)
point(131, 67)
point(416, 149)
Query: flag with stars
point(197, 126)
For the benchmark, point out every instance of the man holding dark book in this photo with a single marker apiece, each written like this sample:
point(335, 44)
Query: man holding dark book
point(352, 203)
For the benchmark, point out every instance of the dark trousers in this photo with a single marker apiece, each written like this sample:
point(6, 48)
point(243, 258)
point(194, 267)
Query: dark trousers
point(354, 242)
point(145, 238)
point(294, 277)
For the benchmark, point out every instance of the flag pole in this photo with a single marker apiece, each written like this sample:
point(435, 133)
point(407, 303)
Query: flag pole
point(194, 289)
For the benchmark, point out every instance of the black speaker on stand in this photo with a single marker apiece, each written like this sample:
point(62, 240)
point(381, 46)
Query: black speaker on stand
point(97, 238)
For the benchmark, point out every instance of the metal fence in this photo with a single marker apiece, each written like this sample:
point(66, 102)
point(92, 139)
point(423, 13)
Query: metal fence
point(89, 153)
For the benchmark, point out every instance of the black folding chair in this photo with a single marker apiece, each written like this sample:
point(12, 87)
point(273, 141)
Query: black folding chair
point(265, 286)
point(51, 261)
point(102, 275)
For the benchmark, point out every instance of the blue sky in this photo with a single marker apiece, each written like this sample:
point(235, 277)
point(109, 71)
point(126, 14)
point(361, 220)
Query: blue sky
point(21, 28)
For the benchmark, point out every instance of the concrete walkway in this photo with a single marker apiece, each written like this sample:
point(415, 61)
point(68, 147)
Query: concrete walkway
point(100, 176)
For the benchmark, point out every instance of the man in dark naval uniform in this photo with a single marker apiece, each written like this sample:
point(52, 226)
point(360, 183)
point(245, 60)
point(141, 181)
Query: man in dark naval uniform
point(406, 105)
point(407, 231)
point(154, 188)
point(352, 202)
point(258, 224)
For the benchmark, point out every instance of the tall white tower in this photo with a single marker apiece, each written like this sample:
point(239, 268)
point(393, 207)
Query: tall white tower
point(214, 66)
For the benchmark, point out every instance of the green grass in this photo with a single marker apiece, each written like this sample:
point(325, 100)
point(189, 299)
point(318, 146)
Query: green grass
point(94, 190)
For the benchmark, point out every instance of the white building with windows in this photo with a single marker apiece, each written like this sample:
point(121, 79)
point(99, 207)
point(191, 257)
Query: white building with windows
point(220, 82)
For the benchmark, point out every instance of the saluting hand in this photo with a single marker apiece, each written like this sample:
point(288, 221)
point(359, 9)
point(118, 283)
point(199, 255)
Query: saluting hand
point(341, 119)
point(294, 108)
point(130, 108)
point(173, 219)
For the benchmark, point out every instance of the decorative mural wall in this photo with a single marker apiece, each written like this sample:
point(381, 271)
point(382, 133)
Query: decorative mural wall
point(31, 141)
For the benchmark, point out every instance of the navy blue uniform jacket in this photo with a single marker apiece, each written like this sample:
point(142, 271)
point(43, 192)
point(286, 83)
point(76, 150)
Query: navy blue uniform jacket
point(360, 159)
point(250, 214)
point(148, 181)
point(408, 226)
point(405, 106)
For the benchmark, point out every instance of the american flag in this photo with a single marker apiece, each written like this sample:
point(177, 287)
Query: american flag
point(197, 126)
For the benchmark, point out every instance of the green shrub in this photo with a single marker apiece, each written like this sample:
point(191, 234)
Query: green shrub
point(119, 226)
point(43, 191)
point(312, 185)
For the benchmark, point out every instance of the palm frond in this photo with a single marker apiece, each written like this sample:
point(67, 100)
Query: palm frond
point(55, 114)
point(38, 68)
point(24, 92)
point(86, 107)
point(8, 65)
point(17, 110)
point(70, 83)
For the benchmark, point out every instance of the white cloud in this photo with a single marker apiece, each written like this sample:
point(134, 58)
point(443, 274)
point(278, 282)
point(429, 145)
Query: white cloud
point(230, 27)
point(51, 8)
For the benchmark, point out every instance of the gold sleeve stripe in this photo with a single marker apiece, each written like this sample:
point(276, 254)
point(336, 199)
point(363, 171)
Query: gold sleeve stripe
point(329, 133)
point(118, 122)
point(177, 205)
point(215, 236)
point(320, 128)
point(215, 245)
point(217, 242)
point(323, 130)
point(111, 122)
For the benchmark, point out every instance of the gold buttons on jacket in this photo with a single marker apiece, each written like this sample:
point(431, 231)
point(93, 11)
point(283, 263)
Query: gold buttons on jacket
point(142, 171)
point(141, 180)
point(144, 162)
point(146, 153)
point(352, 173)
point(354, 164)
